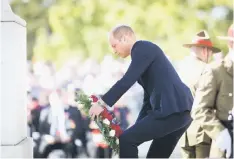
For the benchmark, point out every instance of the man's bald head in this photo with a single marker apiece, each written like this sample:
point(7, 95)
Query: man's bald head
point(122, 30)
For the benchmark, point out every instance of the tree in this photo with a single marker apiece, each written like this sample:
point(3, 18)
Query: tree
point(79, 27)
point(35, 14)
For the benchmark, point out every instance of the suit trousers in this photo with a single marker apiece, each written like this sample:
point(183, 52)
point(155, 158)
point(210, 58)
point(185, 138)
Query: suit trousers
point(165, 133)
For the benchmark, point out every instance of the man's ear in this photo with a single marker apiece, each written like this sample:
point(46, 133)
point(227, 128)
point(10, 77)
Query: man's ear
point(203, 50)
point(207, 50)
point(123, 39)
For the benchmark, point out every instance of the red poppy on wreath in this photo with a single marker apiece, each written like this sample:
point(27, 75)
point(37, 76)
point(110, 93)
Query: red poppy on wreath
point(94, 98)
point(106, 114)
point(117, 128)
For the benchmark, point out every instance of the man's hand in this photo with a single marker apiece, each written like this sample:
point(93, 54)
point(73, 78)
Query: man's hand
point(95, 110)
point(223, 142)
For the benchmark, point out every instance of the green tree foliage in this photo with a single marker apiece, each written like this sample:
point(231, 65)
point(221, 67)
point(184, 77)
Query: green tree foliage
point(35, 14)
point(68, 28)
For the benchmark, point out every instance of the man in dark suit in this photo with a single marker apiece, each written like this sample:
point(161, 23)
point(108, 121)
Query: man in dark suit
point(165, 114)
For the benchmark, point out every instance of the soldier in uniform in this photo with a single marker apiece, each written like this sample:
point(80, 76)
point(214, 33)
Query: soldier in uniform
point(214, 100)
point(194, 142)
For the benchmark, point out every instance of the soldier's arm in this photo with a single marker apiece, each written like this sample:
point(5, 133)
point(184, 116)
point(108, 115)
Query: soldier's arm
point(203, 109)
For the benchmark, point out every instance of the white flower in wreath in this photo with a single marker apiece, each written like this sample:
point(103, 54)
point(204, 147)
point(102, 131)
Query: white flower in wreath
point(80, 105)
point(112, 133)
point(90, 99)
point(117, 141)
point(106, 121)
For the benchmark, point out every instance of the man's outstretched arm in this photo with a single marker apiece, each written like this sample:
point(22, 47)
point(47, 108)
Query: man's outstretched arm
point(142, 57)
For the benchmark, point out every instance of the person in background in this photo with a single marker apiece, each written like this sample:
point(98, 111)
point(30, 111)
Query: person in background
point(102, 148)
point(74, 121)
point(195, 143)
point(85, 128)
point(122, 113)
point(213, 102)
point(35, 113)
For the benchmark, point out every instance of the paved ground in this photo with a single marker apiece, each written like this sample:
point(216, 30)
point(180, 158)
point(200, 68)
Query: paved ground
point(143, 148)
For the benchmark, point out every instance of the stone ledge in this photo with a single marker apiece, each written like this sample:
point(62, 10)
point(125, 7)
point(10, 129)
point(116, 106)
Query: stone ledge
point(23, 149)
point(11, 17)
point(18, 143)
point(7, 15)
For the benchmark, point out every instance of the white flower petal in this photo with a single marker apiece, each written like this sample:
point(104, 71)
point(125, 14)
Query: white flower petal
point(112, 133)
point(90, 99)
point(106, 121)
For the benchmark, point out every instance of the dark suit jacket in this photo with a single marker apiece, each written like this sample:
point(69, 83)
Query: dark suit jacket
point(164, 92)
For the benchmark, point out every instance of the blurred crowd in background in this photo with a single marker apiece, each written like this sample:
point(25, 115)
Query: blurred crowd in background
point(56, 122)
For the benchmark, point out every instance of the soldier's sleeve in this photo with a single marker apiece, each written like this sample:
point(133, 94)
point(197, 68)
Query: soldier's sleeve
point(203, 109)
